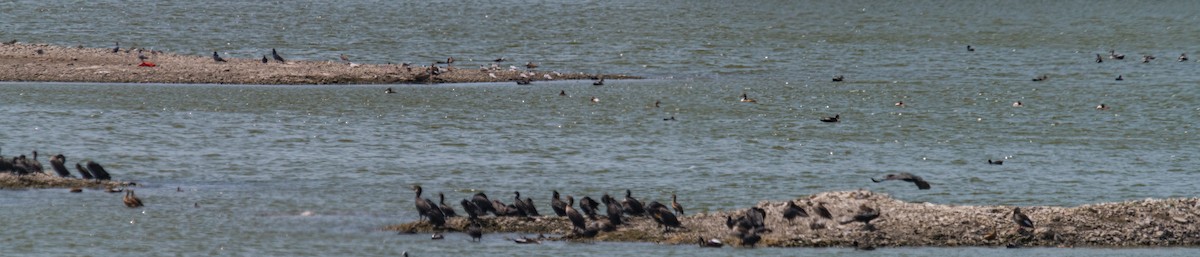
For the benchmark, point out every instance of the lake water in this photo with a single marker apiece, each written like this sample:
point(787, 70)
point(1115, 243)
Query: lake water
point(319, 170)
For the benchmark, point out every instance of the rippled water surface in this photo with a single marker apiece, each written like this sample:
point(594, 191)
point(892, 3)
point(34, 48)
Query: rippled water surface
point(318, 170)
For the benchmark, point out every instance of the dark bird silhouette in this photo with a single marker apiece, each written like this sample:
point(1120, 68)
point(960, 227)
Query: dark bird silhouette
point(657, 103)
point(745, 99)
point(437, 236)
point(1041, 78)
point(672, 118)
point(1182, 57)
point(217, 58)
point(996, 162)
point(835, 118)
point(791, 211)
point(562, 93)
point(613, 209)
point(588, 207)
point(446, 209)
point(631, 205)
point(558, 205)
point(663, 216)
point(714, 243)
point(1120, 78)
point(423, 206)
point(98, 171)
point(1102, 107)
point(131, 200)
point(531, 65)
point(344, 58)
point(264, 59)
point(599, 82)
point(33, 165)
point(1020, 218)
point(470, 208)
point(83, 173)
point(275, 55)
point(750, 239)
point(484, 204)
point(1147, 58)
point(839, 78)
point(501, 59)
point(389, 91)
point(475, 230)
point(6, 166)
point(117, 48)
point(907, 177)
point(823, 212)
point(576, 219)
point(449, 60)
point(1098, 59)
point(56, 162)
point(865, 215)
point(970, 49)
point(675, 205)
point(526, 206)
point(526, 240)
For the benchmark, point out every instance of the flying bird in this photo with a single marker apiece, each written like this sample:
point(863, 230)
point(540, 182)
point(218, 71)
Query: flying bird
point(907, 177)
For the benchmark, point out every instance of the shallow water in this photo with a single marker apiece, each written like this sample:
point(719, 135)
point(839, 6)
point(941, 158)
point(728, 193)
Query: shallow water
point(318, 170)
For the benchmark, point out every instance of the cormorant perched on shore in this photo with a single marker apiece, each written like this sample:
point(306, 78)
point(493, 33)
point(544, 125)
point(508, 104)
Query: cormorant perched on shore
point(558, 205)
point(276, 56)
point(56, 162)
point(98, 171)
point(631, 205)
point(484, 204)
point(905, 176)
point(117, 48)
point(576, 219)
point(446, 209)
point(217, 58)
point(83, 172)
point(823, 212)
point(264, 59)
point(526, 206)
point(663, 216)
point(613, 209)
point(588, 207)
point(791, 211)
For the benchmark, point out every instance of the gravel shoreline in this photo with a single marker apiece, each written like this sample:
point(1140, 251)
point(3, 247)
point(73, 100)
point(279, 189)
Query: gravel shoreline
point(49, 63)
point(1143, 223)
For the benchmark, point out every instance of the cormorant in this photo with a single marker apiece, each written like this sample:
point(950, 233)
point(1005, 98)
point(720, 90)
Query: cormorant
point(264, 59)
point(217, 58)
point(835, 118)
point(481, 201)
point(631, 205)
point(275, 55)
point(83, 172)
point(577, 220)
point(613, 209)
point(56, 162)
point(839, 78)
point(558, 205)
point(996, 162)
point(663, 216)
point(865, 215)
point(970, 49)
point(905, 176)
point(791, 211)
point(475, 230)
point(98, 171)
point(588, 207)
point(117, 48)
point(823, 212)
point(446, 209)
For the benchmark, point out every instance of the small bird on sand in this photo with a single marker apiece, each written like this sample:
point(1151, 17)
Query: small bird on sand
point(217, 58)
point(905, 176)
point(275, 55)
point(264, 59)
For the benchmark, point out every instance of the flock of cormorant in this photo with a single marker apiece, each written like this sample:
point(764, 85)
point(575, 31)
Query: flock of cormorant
point(22, 166)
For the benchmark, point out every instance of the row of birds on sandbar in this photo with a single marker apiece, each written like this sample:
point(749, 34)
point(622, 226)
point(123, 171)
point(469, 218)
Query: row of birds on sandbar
point(588, 219)
point(22, 166)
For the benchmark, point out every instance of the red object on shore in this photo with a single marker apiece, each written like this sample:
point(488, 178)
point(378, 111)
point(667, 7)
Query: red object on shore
point(147, 64)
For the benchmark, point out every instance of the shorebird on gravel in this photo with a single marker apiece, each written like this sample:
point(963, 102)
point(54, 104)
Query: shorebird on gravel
point(264, 59)
point(217, 58)
point(117, 48)
point(275, 55)
point(1021, 220)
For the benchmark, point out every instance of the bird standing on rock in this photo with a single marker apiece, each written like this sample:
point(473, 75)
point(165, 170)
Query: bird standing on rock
point(275, 55)
point(791, 211)
point(1020, 218)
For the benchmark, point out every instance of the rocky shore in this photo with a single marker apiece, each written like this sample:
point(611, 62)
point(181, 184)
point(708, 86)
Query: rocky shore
point(49, 63)
point(9, 181)
point(1143, 223)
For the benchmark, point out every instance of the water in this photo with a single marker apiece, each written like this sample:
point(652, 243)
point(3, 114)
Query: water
point(318, 170)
